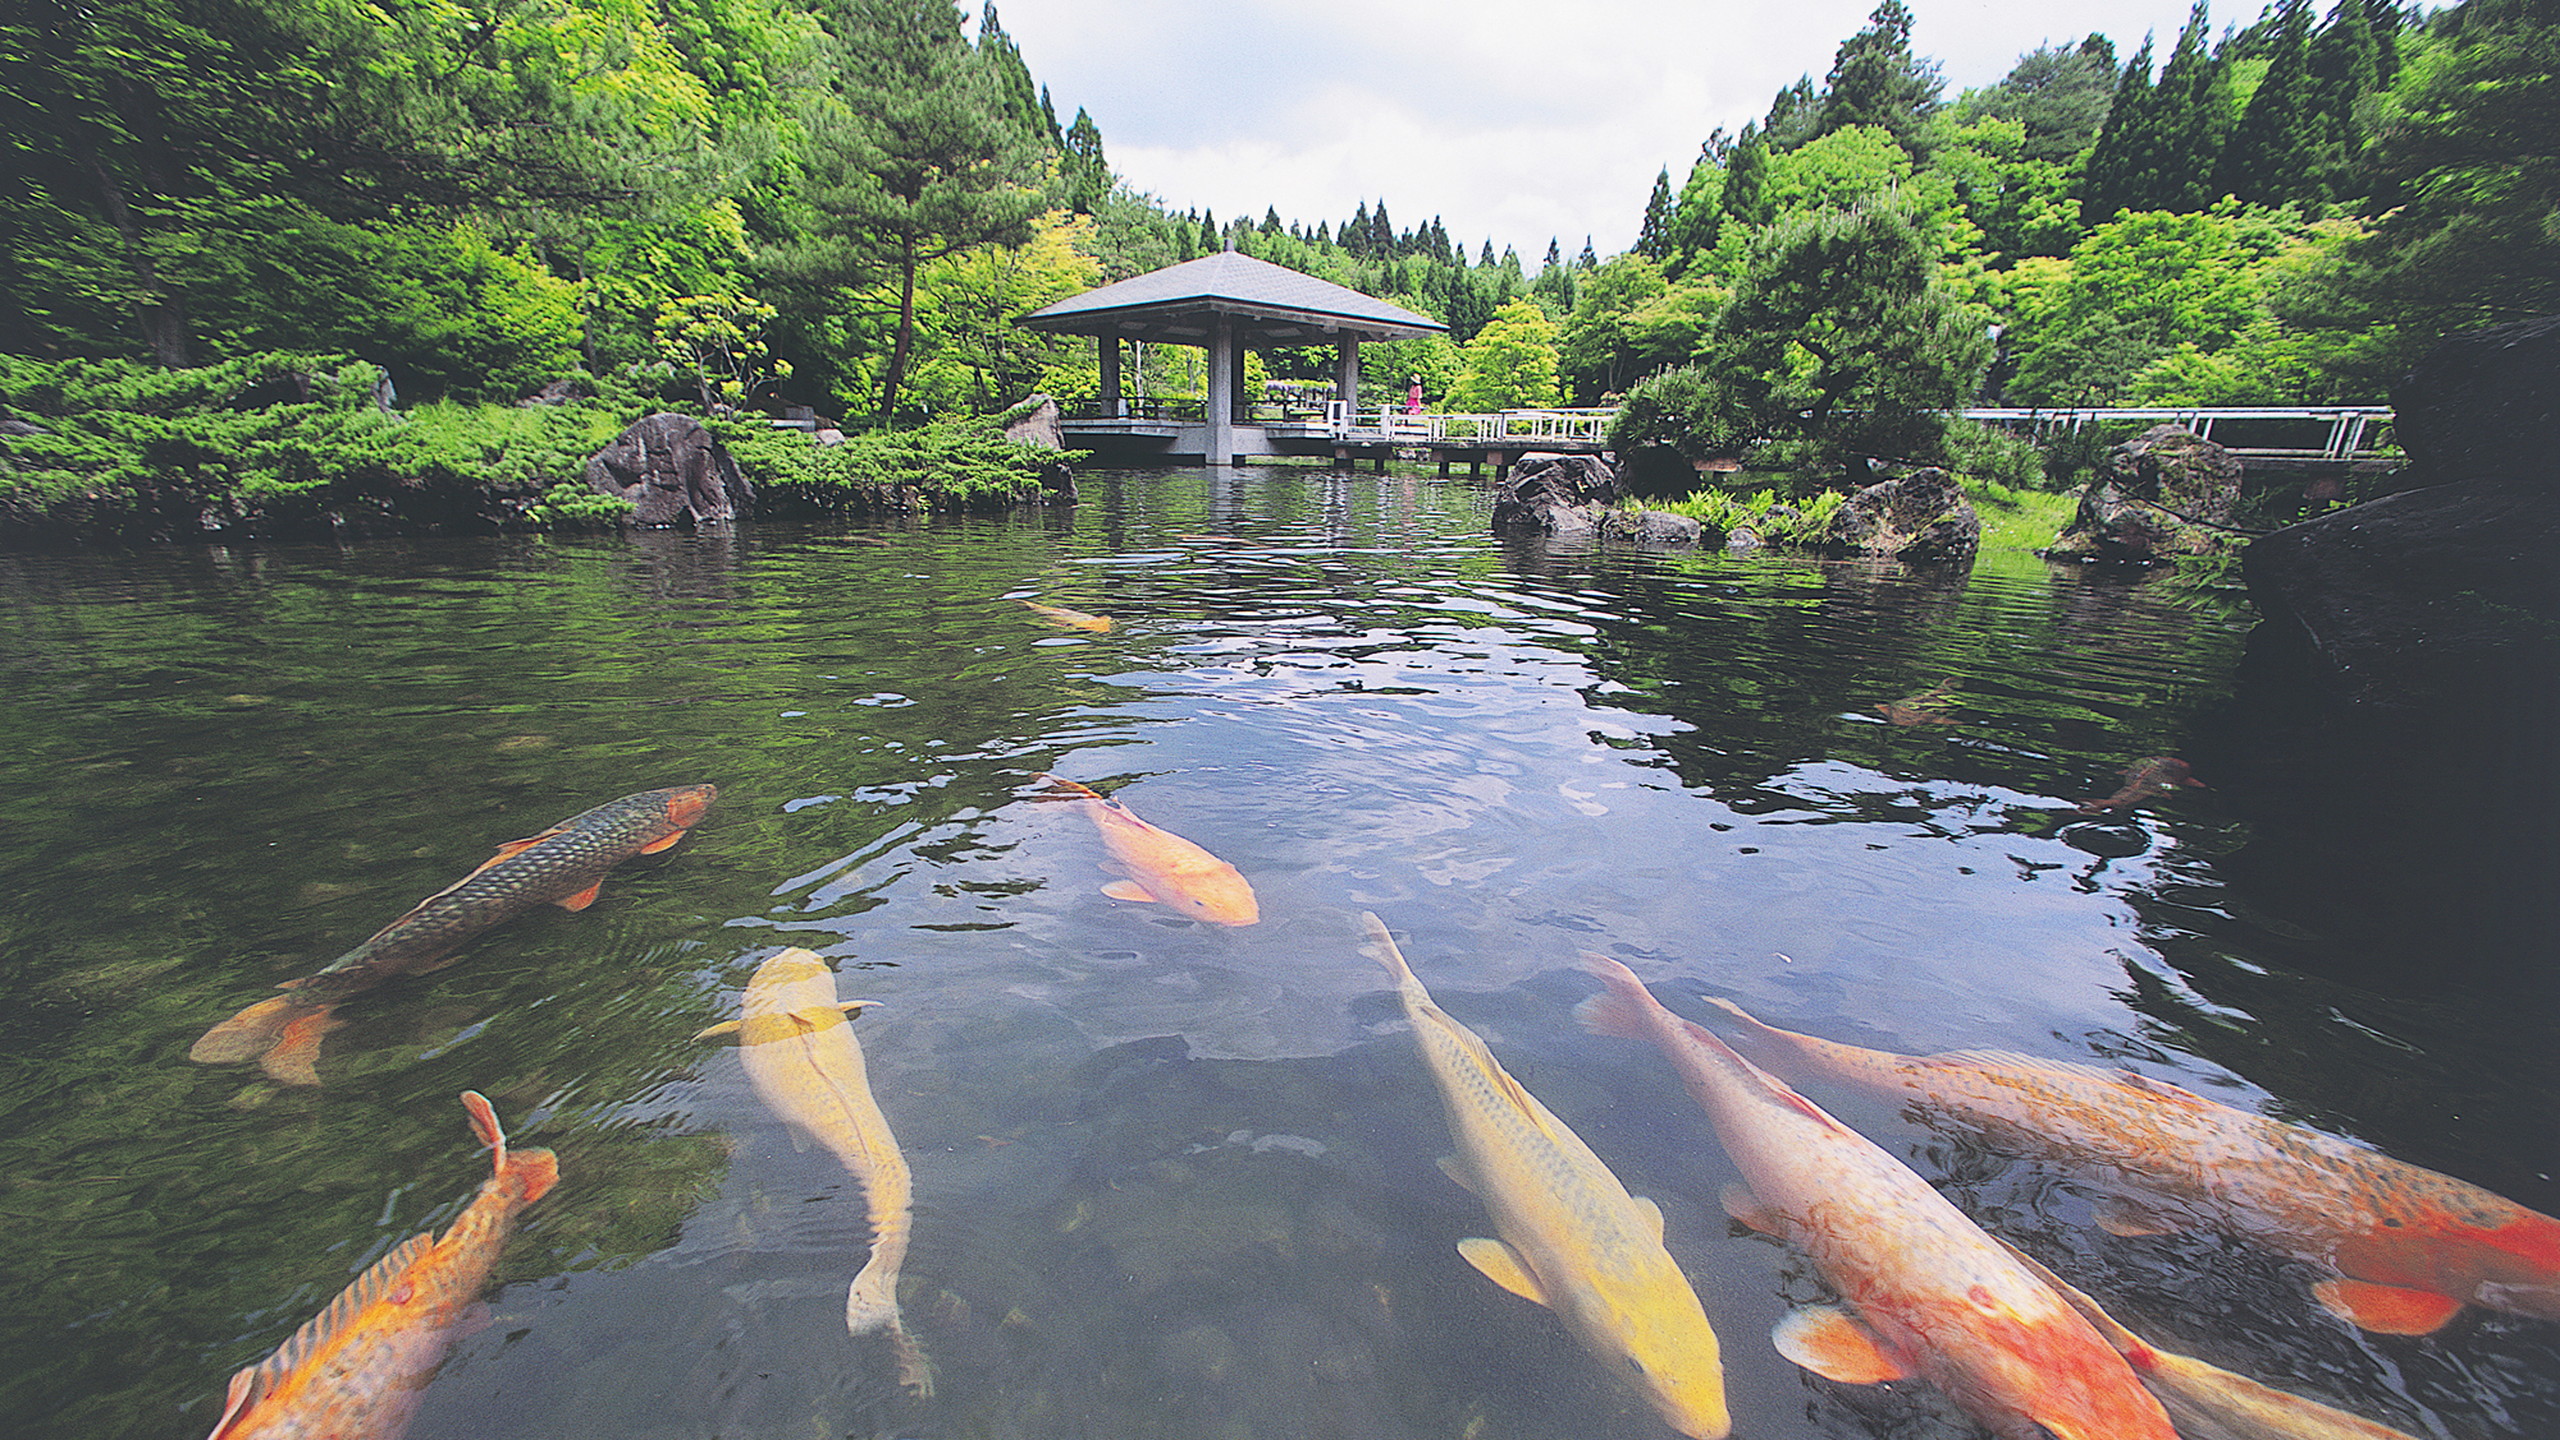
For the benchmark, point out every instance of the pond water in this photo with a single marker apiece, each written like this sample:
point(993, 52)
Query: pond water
point(1172, 1179)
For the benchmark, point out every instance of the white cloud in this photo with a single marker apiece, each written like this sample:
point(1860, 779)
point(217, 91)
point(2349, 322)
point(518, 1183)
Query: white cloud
point(1510, 119)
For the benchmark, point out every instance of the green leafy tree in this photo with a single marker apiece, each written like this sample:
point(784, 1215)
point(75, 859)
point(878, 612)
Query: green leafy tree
point(2138, 287)
point(717, 342)
point(1596, 352)
point(2059, 96)
point(1510, 365)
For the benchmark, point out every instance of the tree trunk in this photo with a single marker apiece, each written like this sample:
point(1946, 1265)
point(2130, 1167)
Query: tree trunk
point(159, 316)
point(906, 328)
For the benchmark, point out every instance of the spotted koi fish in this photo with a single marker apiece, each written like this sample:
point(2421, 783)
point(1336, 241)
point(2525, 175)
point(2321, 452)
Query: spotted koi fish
point(564, 865)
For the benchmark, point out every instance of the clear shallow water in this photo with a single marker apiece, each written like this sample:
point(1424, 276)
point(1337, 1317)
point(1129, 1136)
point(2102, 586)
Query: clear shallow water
point(1172, 1180)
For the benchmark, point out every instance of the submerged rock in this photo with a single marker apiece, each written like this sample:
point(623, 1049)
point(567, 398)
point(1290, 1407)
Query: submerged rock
point(673, 471)
point(1923, 517)
point(2164, 493)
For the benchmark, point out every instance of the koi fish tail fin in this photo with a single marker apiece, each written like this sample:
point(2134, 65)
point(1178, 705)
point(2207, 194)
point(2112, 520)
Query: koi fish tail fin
point(1618, 1010)
point(530, 1173)
point(247, 1035)
point(296, 1053)
point(1382, 948)
point(871, 1303)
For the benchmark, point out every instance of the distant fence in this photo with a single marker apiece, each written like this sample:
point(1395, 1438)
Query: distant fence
point(1587, 427)
point(2335, 433)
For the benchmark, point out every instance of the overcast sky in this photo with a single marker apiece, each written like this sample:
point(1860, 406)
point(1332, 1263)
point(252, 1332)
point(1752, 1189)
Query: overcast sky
point(1511, 120)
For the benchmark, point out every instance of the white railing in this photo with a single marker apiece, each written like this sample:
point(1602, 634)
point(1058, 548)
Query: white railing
point(2352, 429)
point(1394, 424)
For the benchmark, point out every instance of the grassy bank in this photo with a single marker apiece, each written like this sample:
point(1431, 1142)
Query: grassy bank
point(2012, 518)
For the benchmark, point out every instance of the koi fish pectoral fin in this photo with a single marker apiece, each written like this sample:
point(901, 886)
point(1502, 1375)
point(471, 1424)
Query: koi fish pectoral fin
point(1652, 1214)
point(1744, 1206)
point(1503, 1266)
point(1831, 1344)
point(1129, 890)
point(1450, 1167)
point(582, 899)
point(2386, 1309)
point(655, 846)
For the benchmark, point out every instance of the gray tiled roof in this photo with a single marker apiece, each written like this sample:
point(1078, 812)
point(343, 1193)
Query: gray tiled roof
point(1231, 282)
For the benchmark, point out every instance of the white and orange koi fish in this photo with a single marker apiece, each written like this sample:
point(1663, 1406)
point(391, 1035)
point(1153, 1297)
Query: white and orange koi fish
point(2410, 1246)
point(1066, 619)
point(358, 1369)
point(1163, 868)
point(1934, 1296)
point(1572, 1238)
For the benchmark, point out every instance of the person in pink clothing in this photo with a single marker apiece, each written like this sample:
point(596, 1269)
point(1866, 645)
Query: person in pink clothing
point(1413, 395)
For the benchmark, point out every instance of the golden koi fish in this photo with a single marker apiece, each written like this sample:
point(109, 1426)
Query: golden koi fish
point(564, 866)
point(2209, 1402)
point(357, 1370)
point(1066, 619)
point(2157, 778)
point(1163, 867)
point(1935, 1296)
point(1929, 707)
point(1573, 1239)
point(2410, 1247)
point(800, 1054)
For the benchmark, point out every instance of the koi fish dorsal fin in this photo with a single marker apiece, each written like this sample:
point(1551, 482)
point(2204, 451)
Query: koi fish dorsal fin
point(512, 848)
point(2386, 1309)
point(1829, 1342)
point(253, 1383)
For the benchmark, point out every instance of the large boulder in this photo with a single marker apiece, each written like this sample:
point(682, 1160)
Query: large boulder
point(1036, 423)
point(2165, 493)
point(2485, 402)
point(1547, 494)
point(1924, 517)
point(673, 471)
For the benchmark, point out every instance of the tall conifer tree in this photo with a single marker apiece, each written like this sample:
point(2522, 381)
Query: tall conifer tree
point(1653, 237)
point(2108, 182)
point(2268, 160)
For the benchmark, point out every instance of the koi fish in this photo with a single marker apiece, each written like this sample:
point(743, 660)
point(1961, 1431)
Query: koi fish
point(1934, 1296)
point(2157, 778)
point(1926, 708)
point(564, 865)
point(357, 1370)
point(2409, 1247)
point(1066, 619)
point(800, 1054)
point(1572, 1238)
point(2208, 1402)
point(1163, 867)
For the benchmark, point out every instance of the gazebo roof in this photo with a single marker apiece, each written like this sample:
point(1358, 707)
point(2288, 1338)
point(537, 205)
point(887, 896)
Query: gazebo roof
point(1271, 306)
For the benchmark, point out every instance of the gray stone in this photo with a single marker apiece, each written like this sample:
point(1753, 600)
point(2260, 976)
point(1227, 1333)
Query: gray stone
point(1039, 425)
point(828, 435)
point(1924, 517)
point(2165, 493)
point(2483, 403)
point(673, 471)
point(1547, 494)
point(1649, 527)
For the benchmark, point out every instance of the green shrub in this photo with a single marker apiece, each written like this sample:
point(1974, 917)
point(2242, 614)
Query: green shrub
point(1984, 452)
point(948, 465)
point(1777, 519)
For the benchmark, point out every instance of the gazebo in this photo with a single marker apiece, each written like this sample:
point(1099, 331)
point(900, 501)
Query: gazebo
point(1227, 304)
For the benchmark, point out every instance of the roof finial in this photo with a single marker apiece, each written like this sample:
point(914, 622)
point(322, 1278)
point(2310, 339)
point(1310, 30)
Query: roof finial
point(1231, 244)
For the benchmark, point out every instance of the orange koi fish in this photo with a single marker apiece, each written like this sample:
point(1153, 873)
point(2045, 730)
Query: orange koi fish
point(2208, 1402)
point(358, 1369)
point(1933, 1295)
point(2157, 778)
point(1066, 619)
point(564, 865)
point(2410, 1246)
point(1163, 867)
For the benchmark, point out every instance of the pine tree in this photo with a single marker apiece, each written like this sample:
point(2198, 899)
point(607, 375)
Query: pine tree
point(2108, 181)
point(2268, 160)
point(1210, 242)
point(2190, 118)
point(2344, 70)
point(1653, 237)
point(1589, 259)
point(1016, 98)
point(1082, 166)
point(1876, 80)
point(1355, 232)
point(1795, 116)
point(1485, 261)
point(1746, 182)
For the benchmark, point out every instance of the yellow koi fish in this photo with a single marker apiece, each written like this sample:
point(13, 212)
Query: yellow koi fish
point(1163, 867)
point(1066, 619)
point(358, 1369)
point(1572, 1238)
point(1934, 1296)
point(2209, 1402)
point(2410, 1246)
point(800, 1054)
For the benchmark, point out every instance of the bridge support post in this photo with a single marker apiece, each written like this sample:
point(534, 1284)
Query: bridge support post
point(1346, 375)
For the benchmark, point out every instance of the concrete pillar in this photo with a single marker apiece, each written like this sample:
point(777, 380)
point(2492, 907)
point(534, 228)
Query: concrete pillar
point(1346, 371)
point(1112, 404)
point(1245, 398)
point(1221, 409)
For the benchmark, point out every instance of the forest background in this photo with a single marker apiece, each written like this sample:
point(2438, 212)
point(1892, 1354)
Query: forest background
point(845, 205)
